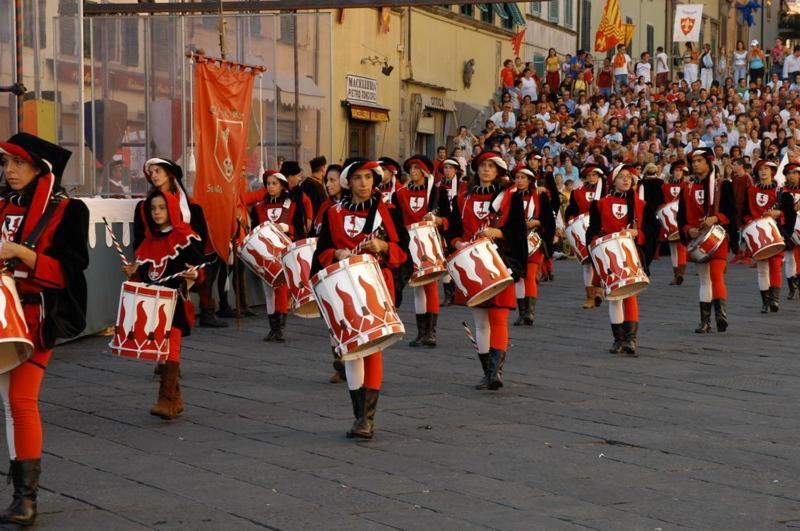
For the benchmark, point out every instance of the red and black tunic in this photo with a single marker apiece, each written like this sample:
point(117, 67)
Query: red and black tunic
point(532, 206)
point(693, 208)
point(281, 209)
point(579, 201)
point(789, 198)
point(671, 189)
point(414, 201)
point(759, 200)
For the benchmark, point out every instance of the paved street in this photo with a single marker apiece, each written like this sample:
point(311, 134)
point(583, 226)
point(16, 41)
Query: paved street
point(700, 432)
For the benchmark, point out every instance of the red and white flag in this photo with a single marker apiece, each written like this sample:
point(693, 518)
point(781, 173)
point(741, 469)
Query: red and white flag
point(688, 21)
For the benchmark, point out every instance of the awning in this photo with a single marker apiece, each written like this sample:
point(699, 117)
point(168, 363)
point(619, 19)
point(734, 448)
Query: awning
point(438, 103)
point(366, 112)
point(311, 97)
point(516, 14)
point(500, 9)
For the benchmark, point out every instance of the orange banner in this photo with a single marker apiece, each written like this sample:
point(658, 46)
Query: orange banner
point(223, 97)
point(610, 31)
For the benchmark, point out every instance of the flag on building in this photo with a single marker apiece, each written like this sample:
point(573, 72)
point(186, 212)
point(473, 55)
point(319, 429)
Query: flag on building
point(628, 33)
point(688, 21)
point(517, 40)
point(386, 17)
point(610, 32)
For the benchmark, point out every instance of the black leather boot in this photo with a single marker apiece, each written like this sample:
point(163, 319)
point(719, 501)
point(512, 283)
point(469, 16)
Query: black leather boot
point(793, 285)
point(25, 476)
point(631, 329)
point(357, 400)
point(531, 317)
point(279, 331)
point(422, 330)
point(274, 323)
point(774, 299)
point(765, 301)
point(449, 293)
point(522, 309)
point(721, 314)
point(430, 340)
point(484, 383)
point(363, 426)
point(618, 331)
point(209, 320)
point(497, 359)
point(705, 319)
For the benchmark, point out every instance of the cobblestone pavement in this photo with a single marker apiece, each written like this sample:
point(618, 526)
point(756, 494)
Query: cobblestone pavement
point(700, 432)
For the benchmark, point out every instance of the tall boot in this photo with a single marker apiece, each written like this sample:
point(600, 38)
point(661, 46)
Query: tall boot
point(765, 301)
point(497, 359)
point(177, 397)
point(705, 319)
point(209, 320)
point(25, 476)
point(430, 340)
point(357, 399)
point(484, 383)
point(598, 295)
point(618, 331)
point(630, 329)
point(274, 323)
point(279, 332)
point(677, 275)
point(170, 402)
point(422, 330)
point(368, 403)
point(721, 314)
point(522, 308)
point(531, 316)
point(589, 302)
point(774, 299)
point(793, 286)
point(449, 293)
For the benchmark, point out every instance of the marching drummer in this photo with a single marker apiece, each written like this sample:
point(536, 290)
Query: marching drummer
point(362, 221)
point(170, 247)
point(761, 201)
point(448, 189)
point(485, 210)
point(707, 200)
point(275, 203)
point(390, 181)
point(418, 201)
point(789, 205)
point(44, 246)
point(672, 188)
point(540, 220)
point(579, 202)
point(622, 209)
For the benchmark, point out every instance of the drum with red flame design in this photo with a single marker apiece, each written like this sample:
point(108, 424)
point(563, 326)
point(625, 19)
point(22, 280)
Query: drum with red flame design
point(15, 343)
point(702, 248)
point(427, 254)
point(762, 239)
point(144, 321)
point(262, 249)
point(357, 307)
point(297, 270)
point(668, 216)
point(616, 260)
point(796, 233)
point(576, 236)
point(534, 242)
point(478, 271)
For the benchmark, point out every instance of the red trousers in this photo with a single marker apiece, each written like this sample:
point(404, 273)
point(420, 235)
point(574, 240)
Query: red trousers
point(20, 391)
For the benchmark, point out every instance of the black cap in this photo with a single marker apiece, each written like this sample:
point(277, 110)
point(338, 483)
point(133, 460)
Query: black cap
point(45, 155)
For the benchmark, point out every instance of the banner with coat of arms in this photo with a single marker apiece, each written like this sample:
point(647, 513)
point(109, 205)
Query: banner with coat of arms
point(688, 21)
point(223, 98)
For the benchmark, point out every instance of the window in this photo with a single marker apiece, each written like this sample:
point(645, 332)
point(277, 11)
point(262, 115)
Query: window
point(7, 13)
point(27, 22)
point(552, 12)
point(468, 10)
point(586, 25)
point(288, 27)
point(538, 65)
point(508, 21)
point(568, 18)
point(130, 36)
point(536, 8)
point(629, 20)
point(651, 39)
point(487, 13)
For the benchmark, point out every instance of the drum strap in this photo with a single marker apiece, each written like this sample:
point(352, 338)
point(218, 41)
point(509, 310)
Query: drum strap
point(33, 238)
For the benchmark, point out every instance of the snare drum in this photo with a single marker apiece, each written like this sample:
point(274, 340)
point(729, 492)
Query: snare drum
point(478, 271)
point(357, 307)
point(15, 344)
point(616, 260)
point(762, 238)
point(576, 236)
point(534, 242)
point(261, 251)
point(702, 248)
point(144, 321)
point(796, 232)
point(668, 216)
point(426, 252)
point(297, 269)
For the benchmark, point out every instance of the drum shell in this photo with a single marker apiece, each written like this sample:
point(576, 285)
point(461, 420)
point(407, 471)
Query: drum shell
point(427, 253)
point(16, 346)
point(296, 261)
point(796, 232)
point(534, 242)
point(616, 260)
point(576, 235)
point(261, 251)
point(668, 217)
point(479, 259)
point(703, 248)
point(762, 239)
point(144, 321)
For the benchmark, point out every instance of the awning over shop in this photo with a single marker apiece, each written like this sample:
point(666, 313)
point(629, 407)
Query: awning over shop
point(311, 97)
point(367, 112)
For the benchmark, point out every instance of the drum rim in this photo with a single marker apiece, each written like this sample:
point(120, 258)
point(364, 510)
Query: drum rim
point(338, 265)
point(500, 285)
point(474, 243)
point(430, 276)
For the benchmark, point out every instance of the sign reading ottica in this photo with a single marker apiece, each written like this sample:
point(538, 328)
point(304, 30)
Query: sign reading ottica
point(361, 88)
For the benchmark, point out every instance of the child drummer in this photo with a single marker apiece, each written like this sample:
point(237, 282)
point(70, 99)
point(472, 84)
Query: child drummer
point(170, 246)
point(622, 209)
point(362, 219)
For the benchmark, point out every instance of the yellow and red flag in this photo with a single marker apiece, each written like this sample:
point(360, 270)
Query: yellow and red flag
point(610, 32)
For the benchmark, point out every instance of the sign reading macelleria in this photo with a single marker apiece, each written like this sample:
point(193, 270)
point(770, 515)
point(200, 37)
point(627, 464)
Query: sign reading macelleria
point(361, 88)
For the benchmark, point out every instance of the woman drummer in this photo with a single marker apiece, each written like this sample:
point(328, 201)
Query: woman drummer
point(448, 189)
point(761, 201)
point(540, 219)
point(622, 209)
point(485, 210)
point(362, 222)
point(579, 202)
point(48, 270)
point(789, 205)
point(677, 250)
point(417, 201)
point(274, 203)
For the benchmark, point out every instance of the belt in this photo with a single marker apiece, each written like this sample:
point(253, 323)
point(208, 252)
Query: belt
point(30, 298)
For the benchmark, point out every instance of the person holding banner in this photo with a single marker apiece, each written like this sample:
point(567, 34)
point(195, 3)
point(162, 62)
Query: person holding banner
point(362, 222)
point(44, 248)
point(170, 249)
point(690, 59)
point(789, 205)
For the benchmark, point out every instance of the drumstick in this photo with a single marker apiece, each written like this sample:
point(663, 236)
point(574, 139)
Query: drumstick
point(181, 273)
point(470, 336)
point(117, 246)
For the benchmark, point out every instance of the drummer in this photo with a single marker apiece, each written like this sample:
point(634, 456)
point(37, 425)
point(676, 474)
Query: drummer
point(708, 200)
point(418, 201)
point(276, 204)
point(170, 246)
point(622, 209)
point(790, 204)
point(448, 189)
point(48, 273)
point(485, 210)
point(391, 178)
point(672, 190)
point(541, 220)
point(343, 228)
point(579, 202)
point(761, 201)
